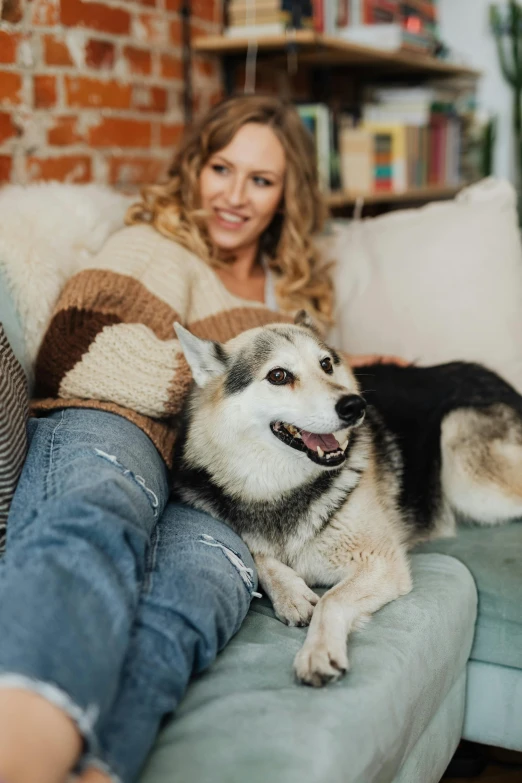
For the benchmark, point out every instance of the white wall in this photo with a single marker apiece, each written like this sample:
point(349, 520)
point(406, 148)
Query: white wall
point(465, 28)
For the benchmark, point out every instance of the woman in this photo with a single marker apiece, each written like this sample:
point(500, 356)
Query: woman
point(111, 596)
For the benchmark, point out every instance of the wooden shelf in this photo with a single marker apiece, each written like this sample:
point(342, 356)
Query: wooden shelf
point(431, 193)
point(317, 49)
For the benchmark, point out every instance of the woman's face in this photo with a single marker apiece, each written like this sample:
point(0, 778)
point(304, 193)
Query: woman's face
point(241, 186)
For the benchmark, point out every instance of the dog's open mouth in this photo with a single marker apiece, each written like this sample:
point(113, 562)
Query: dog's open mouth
point(324, 449)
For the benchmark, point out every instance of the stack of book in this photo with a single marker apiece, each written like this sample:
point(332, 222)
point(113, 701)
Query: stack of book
point(267, 17)
point(401, 139)
point(386, 24)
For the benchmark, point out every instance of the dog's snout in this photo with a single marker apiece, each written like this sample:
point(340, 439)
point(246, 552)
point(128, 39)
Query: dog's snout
point(350, 408)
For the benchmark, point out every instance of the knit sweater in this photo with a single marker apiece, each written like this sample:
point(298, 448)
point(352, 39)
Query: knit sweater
point(111, 344)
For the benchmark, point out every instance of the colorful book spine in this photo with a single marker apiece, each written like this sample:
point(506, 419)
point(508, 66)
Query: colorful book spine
point(380, 11)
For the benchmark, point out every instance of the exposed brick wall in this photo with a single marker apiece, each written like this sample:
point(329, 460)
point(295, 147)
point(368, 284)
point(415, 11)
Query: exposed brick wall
point(92, 90)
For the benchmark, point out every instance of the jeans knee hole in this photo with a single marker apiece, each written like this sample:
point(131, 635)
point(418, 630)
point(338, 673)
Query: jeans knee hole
point(246, 574)
point(139, 480)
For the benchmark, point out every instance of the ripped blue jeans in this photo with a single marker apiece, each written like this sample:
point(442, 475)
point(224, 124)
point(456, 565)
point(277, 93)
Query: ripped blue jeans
point(111, 597)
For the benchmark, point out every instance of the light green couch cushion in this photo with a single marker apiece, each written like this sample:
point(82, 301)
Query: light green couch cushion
point(247, 720)
point(494, 557)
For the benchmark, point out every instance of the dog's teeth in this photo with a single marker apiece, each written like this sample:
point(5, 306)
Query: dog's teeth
point(320, 452)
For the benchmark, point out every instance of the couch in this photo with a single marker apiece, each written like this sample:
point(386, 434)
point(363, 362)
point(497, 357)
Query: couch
point(442, 663)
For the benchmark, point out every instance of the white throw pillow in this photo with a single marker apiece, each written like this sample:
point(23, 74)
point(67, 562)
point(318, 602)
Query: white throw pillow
point(48, 232)
point(434, 284)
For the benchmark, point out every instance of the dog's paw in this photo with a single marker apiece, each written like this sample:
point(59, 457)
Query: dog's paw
point(296, 606)
point(319, 663)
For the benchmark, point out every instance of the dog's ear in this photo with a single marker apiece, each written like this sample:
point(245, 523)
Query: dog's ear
point(206, 359)
point(302, 318)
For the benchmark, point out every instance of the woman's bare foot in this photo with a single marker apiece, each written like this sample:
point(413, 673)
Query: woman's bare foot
point(39, 743)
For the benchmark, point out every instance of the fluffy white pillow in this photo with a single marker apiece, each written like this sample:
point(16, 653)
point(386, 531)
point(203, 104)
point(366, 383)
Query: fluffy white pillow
point(434, 284)
point(48, 232)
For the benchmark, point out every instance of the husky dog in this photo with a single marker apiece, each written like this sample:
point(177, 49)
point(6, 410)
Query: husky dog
point(330, 476)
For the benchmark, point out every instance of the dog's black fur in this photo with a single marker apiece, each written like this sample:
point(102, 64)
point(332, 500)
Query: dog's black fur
point(412, 402)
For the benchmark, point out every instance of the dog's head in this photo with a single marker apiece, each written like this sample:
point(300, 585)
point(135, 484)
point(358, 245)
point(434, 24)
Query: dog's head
point(274, 388)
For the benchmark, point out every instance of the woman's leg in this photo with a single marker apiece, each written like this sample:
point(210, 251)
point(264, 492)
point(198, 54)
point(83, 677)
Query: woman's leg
point(81, 521)
point(194, 600)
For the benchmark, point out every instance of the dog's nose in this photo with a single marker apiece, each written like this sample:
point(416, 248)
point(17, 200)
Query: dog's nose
point(350, 408)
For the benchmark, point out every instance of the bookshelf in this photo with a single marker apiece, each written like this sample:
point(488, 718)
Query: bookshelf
point(315, 49)
point(321, 56)
point(338, 200)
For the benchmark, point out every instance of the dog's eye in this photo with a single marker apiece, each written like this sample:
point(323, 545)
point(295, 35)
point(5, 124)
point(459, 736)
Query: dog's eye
point(326, 364)
point(278, 376)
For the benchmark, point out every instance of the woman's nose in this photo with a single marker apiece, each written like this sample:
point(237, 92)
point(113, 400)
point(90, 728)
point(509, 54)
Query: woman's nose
point(236, 192)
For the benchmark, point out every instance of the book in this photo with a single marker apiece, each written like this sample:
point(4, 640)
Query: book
point(380, 11)
point(316, 117)
point(373, 11)
point(270, 16)
point(388, 37)
point(243, 18)
point(356, 158)
point(382, 156)
point(397, 146)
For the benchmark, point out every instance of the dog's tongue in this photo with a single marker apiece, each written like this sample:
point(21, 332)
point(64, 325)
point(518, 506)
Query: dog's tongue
point(326, 442)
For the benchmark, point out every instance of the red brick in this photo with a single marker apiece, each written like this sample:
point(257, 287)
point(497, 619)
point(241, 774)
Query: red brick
point(139, 61)
point(175, 32)
point(99, 54)
point(170, 135)
point(147, 98)
point(89, 93)
point(5, 168)
point(209, 10)
point(197, 31)
point(7, 127)
point(171, 67)
point(202, 101)
point(71, 168)
point(205, 9)
point(130, 170)
point(207, 68)
point(152, 29)
point(8, 46)
point(44, 91)
point(119, 132)
point(216, 97)
point(151, 3)
point(12, 11)
point(10, 87)
point(64, 132)
point(45, 12)
point(56, 51)
point(96, 16)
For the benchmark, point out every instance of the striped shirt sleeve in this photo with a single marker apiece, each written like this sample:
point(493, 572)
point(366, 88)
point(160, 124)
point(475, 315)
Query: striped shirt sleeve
point(13, 420)
point(111, 336)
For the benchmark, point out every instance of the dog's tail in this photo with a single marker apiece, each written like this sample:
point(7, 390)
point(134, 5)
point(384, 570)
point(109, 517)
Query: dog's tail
point(482, 463)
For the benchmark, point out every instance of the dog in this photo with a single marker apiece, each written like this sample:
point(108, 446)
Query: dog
point(331, 475)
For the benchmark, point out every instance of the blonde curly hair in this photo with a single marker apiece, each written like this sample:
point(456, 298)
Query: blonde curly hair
point(174, 210)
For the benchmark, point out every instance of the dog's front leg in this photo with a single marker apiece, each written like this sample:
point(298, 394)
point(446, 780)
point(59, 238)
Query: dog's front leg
point(376, 582)
point(292, 599)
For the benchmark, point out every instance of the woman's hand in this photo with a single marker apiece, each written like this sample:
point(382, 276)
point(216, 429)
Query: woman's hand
point(361, 360)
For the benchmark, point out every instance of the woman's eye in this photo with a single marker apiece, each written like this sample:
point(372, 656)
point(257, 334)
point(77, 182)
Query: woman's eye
point(219, 168)
point(279, 377)
point(262, 182)
point(326, 364)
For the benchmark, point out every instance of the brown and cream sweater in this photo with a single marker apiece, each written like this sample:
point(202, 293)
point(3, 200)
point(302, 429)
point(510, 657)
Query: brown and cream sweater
point(111, 344)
